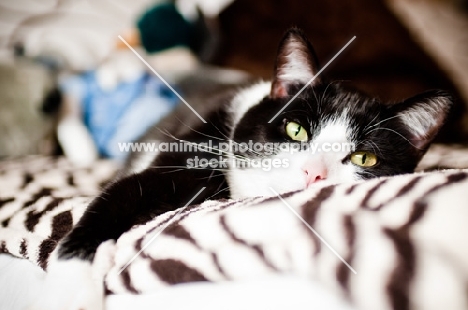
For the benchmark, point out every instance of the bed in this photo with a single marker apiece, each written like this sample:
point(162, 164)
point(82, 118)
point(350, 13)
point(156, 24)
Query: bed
point(388, 243)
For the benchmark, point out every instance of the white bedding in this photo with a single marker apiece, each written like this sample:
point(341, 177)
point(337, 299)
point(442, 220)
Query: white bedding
point(405, 236)
point(20, 283)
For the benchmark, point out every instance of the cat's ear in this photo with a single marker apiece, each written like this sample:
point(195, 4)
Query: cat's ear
point(296, 63)
point(423, 116)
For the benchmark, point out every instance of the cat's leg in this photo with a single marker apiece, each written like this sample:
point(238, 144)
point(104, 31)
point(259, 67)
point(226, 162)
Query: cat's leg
point(131, 200)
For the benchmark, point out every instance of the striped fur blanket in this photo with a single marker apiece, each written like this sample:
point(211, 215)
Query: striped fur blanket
point(389, 243)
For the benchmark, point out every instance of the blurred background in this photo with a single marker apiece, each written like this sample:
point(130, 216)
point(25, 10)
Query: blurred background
point(69, 84)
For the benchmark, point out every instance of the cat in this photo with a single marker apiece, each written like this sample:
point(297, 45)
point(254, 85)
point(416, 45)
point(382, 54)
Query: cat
point(328, 134)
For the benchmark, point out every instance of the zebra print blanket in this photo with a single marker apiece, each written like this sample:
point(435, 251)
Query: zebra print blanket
point(389, 243)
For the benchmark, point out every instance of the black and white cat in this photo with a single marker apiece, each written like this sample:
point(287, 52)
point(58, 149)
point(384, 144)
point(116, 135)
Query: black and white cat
point(266, 151)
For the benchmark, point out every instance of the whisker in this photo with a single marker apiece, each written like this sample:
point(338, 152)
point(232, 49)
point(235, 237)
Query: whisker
point(365, 128)
point(212, 176)
point(168, 134)
point(206, 148)
point(387, 119)
point(201, 133)
point(322, 98)
point(376, 147)
point(372, 143)
point(249, 149)
point(372, 175)
point(222, 190)
point(396, 132)
point(316, 99)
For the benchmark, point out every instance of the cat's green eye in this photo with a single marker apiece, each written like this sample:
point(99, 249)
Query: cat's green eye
point(364, 159)
point(296, 131)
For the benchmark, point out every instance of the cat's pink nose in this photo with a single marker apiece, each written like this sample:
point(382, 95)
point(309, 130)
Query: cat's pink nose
point(314, 172)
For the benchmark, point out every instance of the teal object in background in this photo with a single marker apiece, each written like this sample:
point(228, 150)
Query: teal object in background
point(163, 27)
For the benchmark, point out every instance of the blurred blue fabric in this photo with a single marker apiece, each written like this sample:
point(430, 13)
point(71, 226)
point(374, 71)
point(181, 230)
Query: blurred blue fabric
point(122, 114)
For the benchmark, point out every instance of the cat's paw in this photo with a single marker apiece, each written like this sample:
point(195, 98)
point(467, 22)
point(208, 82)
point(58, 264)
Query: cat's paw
point(104, 259)
point(70, 285)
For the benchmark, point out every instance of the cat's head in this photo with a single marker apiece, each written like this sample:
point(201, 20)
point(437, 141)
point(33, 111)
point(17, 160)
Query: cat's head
point(350, 135)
